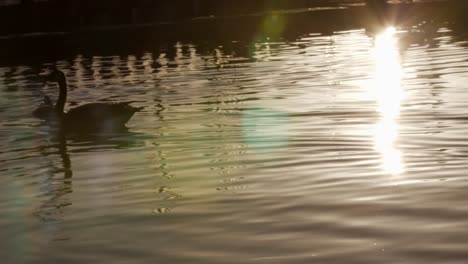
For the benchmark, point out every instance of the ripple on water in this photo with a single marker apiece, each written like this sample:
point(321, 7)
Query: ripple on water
point(298, 151)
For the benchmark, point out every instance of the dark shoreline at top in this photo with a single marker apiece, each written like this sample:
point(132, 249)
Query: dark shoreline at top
point(145, 37)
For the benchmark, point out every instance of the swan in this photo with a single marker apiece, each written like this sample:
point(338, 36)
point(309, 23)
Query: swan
point(93, 117)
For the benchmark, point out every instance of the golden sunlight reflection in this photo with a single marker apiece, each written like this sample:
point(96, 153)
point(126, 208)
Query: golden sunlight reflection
point(388, 94)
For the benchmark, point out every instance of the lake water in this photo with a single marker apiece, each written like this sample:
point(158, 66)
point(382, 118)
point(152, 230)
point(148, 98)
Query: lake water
point(349, 146)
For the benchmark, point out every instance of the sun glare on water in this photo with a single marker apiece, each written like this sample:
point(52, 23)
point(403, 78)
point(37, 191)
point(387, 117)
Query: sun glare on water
point(386, 86)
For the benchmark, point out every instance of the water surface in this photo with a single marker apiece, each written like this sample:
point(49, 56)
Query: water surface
point(341, 147)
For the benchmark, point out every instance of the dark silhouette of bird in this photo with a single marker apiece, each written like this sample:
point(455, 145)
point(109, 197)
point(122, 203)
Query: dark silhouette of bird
point(93, 117)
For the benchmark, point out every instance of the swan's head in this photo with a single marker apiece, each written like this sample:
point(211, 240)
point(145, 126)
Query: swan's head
point(47, 100)
point(54, 76)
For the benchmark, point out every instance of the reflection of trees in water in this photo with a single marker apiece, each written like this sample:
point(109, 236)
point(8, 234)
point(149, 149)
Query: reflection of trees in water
point(141, 40)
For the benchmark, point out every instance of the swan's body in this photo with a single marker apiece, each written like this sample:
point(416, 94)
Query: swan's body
point(93, 117)
point(99, 116)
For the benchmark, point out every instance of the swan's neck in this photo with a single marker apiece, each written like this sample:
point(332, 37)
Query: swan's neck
point(60, 105)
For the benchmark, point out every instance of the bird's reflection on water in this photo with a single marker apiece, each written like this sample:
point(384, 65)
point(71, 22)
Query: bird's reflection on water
point(56, 182)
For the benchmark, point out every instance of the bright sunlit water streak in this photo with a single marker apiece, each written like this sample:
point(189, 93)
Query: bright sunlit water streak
point(386, 85)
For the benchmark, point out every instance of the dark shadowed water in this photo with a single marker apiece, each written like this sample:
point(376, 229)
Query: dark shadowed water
point(345, 147)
